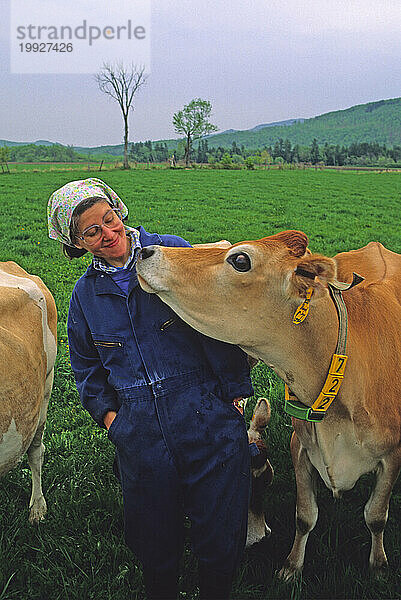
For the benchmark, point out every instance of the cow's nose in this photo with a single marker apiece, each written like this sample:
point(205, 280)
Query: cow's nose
point(146, 253)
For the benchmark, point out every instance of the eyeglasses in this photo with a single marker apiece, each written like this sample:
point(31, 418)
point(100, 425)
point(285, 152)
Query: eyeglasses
point(92, 234)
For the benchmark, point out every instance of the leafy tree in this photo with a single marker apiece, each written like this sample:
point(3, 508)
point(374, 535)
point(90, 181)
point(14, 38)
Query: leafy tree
point(296, 153)
point(193, 122)
point(226, 161)
point(265, 158)
point(287, 151)
point(384, 161)
point(314, 153)
point(237, 159)
point(395, 153)
point(199, 156)
point(220, 151)
point(235, 149)
point(4, 158)
point(121, 84)
point(203, 150)
point(250, 162)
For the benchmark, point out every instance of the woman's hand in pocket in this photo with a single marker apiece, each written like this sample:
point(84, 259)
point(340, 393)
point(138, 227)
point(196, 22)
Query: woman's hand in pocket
point(109, 418)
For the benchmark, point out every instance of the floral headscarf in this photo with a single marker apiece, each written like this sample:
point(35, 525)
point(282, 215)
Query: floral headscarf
point(63, 202)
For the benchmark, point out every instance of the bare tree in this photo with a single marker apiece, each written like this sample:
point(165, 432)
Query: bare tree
point(122, 84)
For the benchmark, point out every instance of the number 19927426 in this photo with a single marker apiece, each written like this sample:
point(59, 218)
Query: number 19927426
point(46, 47)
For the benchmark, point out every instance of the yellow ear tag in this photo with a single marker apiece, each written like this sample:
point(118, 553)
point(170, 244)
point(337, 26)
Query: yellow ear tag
point(302, 311)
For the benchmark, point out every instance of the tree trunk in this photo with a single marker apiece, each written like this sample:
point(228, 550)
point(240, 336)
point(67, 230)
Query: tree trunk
point(187, 150)
point(126, 163)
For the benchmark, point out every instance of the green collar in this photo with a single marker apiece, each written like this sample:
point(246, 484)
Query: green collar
point(298, 410)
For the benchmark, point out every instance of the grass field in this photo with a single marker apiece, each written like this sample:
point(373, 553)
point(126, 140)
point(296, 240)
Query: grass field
point(78, 553)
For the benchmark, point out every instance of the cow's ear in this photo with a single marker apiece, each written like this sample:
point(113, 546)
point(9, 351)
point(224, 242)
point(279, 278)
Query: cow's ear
point(295, 241)
point(313, 271)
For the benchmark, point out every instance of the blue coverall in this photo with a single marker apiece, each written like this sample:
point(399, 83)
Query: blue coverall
point(181, 445)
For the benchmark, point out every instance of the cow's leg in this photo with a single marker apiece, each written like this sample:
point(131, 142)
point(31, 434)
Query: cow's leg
point(376, 510)
point(306, 509)
point(37, 504)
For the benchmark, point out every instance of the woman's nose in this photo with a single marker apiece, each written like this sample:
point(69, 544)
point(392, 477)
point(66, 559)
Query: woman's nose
point(107, 232)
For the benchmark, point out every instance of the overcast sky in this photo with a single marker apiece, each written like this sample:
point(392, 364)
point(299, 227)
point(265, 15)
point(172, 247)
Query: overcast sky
point(257, 61)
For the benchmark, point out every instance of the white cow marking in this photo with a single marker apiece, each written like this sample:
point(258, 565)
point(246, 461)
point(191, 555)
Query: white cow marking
point(11, 448)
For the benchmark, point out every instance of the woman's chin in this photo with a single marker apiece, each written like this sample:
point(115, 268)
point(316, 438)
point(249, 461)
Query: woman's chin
point(117, 251)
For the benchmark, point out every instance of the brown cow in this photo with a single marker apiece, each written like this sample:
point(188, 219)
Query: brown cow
point(247, 295)
point(28, 323)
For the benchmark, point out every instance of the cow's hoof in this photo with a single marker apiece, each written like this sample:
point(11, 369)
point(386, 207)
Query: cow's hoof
point(37, 510)
point(289, 573)
point(380, 569)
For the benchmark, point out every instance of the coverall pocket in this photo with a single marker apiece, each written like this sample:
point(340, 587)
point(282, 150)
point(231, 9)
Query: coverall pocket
point(114, 358)
point(227, 405)
point(227, 411)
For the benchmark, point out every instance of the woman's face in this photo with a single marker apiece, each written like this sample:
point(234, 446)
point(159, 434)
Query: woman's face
point(113, 243)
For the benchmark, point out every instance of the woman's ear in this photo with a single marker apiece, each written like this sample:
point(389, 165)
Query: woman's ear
point(79, 243)
point(73, 251)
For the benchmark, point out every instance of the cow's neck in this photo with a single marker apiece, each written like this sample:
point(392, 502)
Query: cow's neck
point(301, 354)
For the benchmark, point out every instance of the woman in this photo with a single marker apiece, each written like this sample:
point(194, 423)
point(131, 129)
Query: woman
point(163, 391)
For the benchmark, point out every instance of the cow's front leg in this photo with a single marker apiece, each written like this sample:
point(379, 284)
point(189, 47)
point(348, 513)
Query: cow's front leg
point(306, 509)
point(376, 509)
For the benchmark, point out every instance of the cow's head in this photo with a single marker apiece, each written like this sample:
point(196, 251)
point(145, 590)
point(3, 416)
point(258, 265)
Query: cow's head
point(237, 294)
point(262, 473)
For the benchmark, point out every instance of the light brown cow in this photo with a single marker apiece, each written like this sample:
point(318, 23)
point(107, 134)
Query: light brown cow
point(28, 323)
point(247, 295)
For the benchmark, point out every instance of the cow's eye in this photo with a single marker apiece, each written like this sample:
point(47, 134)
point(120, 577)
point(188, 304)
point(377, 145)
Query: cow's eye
point(240, 262)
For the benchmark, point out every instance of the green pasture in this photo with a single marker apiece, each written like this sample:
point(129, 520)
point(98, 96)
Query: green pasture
point(77, 553)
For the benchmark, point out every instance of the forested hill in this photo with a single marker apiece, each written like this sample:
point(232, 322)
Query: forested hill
point(378, 122)
point(374, 122)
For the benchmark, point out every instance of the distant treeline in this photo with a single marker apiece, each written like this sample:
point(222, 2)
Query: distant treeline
point(150, 152)
point(283, 151)
point(34, 153)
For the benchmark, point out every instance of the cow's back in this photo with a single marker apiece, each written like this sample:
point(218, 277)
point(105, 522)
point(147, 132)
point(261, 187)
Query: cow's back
point(12, 268)
point(27, 353)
